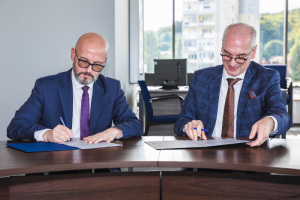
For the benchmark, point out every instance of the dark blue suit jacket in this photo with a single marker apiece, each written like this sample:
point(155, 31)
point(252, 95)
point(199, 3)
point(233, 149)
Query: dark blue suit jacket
point(52, 97)
point(201, 102)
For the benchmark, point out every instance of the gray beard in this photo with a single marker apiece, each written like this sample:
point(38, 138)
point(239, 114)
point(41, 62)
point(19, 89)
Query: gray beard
point(84, 81)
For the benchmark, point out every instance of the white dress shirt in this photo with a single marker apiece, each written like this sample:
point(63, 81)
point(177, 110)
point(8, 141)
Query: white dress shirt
point(222, 98)
point(77, 96)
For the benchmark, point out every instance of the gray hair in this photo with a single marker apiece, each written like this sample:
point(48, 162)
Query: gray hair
point(240, 28)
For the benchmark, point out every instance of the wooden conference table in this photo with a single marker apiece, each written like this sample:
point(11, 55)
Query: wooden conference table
point(228, 179)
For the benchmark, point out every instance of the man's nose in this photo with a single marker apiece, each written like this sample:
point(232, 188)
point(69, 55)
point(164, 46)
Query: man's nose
point(232, 62)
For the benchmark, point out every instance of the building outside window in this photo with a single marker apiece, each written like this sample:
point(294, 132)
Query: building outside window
point(199, 25)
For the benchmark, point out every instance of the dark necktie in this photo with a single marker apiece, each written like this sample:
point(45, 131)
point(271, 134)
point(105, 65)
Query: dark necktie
point(228, 116)
point(85, 114)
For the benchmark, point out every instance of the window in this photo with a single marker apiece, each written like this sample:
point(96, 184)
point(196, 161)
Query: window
point(193, 56)
point(206, 31)
point(196, 26)
point(206, 5)
point(293, 54)
point(190, 43)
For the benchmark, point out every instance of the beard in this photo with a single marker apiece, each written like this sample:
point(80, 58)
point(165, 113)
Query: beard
point(84, 81)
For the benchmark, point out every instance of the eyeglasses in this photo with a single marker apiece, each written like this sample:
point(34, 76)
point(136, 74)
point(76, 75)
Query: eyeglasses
point(239, 60)
point(86, 64)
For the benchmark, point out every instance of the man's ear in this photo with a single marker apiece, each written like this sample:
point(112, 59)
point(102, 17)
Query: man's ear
point(253, 52)
point(72, 54)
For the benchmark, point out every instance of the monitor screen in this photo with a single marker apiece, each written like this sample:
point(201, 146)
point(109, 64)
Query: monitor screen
point(170, 73)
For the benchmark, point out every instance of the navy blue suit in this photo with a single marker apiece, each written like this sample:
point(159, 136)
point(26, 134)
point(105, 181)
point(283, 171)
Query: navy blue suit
point(52, 97)
point(201, 102)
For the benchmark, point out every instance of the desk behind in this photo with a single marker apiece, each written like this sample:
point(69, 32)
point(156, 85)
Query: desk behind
point(166, 107)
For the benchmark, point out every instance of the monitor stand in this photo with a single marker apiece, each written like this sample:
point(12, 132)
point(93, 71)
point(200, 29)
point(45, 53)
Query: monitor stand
point(169, 87)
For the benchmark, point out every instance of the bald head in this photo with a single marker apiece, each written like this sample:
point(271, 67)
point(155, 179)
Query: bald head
point(92, 40)
point(240, 30)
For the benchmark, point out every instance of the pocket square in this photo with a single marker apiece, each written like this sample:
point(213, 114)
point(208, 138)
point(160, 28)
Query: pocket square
point(252, 95)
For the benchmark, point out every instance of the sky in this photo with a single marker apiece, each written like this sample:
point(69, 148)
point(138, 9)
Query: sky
point(158, 13)
point(277, 5)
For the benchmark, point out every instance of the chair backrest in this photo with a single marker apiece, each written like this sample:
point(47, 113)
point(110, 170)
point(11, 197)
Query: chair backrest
point(146, 97)
point(282, 71)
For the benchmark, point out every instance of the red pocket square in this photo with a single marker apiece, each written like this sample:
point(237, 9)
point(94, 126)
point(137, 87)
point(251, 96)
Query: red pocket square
point(252, 95)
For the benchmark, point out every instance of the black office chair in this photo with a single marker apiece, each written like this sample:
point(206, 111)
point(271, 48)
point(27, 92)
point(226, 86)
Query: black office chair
point(149, 107)
point(285, 83)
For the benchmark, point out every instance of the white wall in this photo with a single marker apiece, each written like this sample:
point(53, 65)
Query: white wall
point(36, 38)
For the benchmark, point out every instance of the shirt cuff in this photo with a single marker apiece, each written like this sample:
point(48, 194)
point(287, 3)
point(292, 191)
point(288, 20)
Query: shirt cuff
point(275, 130)
point(38, 135)
point(120, 136)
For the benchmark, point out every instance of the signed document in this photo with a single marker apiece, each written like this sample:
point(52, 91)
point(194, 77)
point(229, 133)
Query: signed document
point(76, 142)
point(186, 144)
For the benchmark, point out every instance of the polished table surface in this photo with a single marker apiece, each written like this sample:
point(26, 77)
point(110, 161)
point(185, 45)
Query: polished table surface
point(274, 156)
point(133, 153)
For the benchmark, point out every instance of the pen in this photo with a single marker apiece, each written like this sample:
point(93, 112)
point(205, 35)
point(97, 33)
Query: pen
point(62, 121)
point(195, 129)
point(201, 129)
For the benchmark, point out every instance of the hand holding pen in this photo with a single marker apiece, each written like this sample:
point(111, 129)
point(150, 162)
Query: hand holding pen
point(58, 134)
point(195, 129)
point(62, 121)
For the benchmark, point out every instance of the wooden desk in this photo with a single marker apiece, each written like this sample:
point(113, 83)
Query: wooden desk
point(133, 153)
point(275, 156)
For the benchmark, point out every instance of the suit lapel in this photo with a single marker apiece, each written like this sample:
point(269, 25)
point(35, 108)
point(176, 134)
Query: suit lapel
point(244, 94)
point(97, 100)
point(214, 95)
point(66, 98)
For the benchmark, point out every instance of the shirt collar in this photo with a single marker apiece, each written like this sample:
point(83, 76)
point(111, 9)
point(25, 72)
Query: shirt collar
point(226, 75)
point(77, 85)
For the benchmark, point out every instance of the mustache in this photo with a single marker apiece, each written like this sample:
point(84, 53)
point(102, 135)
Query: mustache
point(86, 73)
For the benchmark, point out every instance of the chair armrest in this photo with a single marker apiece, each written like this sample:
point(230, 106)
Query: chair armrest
point(165, 97)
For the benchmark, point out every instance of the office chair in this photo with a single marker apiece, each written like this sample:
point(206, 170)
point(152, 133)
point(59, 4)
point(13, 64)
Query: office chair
point(285, 83)
point(150, 119)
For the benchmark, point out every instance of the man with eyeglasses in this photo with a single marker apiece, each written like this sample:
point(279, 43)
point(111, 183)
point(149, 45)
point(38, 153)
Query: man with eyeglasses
point(79, 103)
point(237, 99)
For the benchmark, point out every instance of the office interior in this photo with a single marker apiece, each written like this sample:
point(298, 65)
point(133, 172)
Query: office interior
point(37, 36)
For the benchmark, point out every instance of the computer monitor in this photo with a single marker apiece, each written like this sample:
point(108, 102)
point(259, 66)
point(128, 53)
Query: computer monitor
point(170, 73)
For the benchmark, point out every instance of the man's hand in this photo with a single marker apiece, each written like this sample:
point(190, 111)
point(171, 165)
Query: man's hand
point(107, 136)
point(59, 134)
point(193, 133)
point(263, 128)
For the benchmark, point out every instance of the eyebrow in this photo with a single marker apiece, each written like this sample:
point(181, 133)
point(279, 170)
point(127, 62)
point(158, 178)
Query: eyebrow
point(96, 62)
point(242, 54)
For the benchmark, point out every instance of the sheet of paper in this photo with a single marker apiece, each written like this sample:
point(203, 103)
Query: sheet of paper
point(185, 144)
point(76, 142)
point(219, 142)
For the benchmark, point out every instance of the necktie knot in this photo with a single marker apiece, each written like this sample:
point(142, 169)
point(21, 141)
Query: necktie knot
point(232, 81)
point(85, 88)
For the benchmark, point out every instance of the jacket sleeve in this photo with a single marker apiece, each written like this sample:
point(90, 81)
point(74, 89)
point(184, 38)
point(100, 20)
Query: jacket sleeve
point(275, 106)
point(188, 111)
point(123, 117)
point(26, 119)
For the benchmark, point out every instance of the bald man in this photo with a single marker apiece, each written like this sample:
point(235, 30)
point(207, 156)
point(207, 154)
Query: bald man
point(87, 102)
point(237, 99)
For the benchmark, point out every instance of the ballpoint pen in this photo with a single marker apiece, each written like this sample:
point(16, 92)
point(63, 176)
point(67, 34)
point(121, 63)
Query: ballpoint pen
point(201, 129)
point(195, 129)
point(62, 121)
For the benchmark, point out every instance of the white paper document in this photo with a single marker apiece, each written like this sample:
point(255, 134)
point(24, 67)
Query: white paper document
point(76, 142)
point(186, 144)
